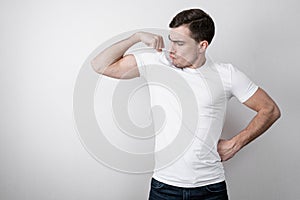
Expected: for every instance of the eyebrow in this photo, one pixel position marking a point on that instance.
(174, 40)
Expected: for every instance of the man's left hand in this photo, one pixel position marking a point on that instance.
(226, 149)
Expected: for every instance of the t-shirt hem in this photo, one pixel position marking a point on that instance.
(189, 185)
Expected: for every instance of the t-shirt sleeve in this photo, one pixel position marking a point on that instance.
(140, 63)
(241, 86)
(144, 60)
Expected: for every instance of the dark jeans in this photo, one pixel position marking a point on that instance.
(162, 191)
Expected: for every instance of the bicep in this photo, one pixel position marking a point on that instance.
(124, 68)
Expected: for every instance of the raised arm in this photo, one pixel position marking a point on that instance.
(112, 62)
(267, 113)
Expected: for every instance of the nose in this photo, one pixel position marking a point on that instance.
(172, 48)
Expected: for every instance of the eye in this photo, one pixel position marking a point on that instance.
(180, 43)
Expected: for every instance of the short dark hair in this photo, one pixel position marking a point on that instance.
(199, 23)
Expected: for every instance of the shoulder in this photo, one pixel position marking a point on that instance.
(229, 70)
(148, 57)
(224, 67)
(224, 70)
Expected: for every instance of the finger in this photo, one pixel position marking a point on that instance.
(157, 43)
(158, 40)
(160, 43)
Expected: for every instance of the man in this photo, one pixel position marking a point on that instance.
(198, 173)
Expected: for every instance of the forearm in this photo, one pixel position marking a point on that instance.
(267, 113)
(258, 125)
(113, 53)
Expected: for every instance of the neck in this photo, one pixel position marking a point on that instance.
(199, 62)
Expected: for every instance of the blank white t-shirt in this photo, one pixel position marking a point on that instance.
(193, 105)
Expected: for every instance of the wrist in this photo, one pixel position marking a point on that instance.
(135, 38)
(237, 143)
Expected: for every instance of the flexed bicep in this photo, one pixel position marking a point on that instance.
(124, 68)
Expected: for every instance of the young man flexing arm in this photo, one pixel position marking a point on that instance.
(191, 32)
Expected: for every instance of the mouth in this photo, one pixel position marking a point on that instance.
(170, 53)
(172, 56)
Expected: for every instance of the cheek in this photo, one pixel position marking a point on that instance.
(182, 52)
(187, 52)
(187, 55)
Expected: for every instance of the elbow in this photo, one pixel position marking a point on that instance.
(94, 66)
(273, 112)
(276, 112)
(97, 66)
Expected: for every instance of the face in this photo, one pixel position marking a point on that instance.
(184, 50)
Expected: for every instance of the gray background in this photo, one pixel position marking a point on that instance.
(44, 44)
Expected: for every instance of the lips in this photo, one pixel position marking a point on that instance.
(172, 56)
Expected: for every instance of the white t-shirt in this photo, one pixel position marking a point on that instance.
(189, 123)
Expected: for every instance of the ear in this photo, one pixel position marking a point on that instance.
(203, 46)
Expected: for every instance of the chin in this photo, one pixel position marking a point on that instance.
(179, 66)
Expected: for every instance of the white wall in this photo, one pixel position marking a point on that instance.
(45, 43)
